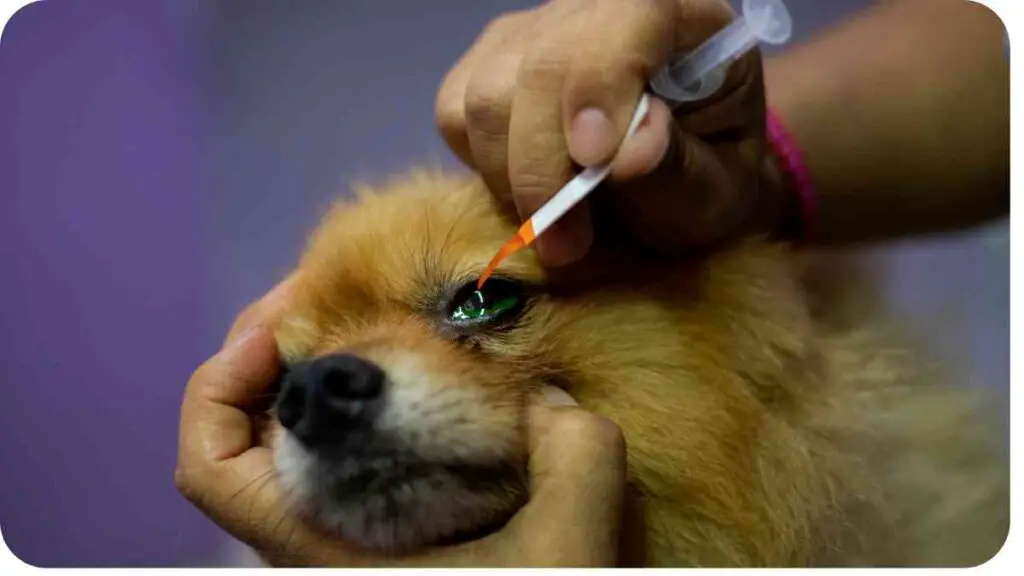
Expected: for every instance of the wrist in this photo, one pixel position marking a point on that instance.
(788, 182)
(777, 213)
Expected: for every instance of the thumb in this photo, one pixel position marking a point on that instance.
(648, 147)
(578, 478)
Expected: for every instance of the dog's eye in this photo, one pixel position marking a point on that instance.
(499, 300)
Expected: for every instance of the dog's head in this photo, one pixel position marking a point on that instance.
(404, 391)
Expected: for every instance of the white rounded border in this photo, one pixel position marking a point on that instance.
(1012, 14)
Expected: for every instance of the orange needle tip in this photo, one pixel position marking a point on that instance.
(514, 244)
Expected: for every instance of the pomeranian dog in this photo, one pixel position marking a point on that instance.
(757, 435)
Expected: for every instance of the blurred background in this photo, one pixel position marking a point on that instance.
(161, 162)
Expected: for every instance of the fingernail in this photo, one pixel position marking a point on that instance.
(592, 137)
(557, 397)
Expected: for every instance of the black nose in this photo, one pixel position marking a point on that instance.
(325, 399)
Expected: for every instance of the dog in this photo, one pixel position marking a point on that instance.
(757, 433)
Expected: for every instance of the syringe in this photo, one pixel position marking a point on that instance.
(693, 77)
(701, 73)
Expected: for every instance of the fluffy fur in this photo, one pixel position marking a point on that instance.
(758, 435)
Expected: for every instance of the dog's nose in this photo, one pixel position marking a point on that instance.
(323, 400)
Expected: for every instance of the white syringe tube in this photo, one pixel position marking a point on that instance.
(702, 72)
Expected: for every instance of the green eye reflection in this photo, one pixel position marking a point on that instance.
(486, 304)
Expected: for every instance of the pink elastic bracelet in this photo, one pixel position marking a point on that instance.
(791, 164)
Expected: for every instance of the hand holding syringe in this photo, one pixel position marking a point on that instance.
(695, 76)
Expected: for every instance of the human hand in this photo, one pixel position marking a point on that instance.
(546, 88)
(577, 467)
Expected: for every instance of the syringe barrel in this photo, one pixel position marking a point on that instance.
(719, 50)
(702, 72)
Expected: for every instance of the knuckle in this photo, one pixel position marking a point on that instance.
(532, 173)
(201, 375)
(504, 23)
(249, 315)
(448, 101)
(594, 429)
(184, 482)
(252, 311)
(516, 20)
(530, 189)
(449, 115)
(488, 103)
(493, 27)
(547, 64)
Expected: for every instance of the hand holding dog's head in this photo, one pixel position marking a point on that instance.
(228, 472)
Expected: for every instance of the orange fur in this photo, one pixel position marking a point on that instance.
(757, 435)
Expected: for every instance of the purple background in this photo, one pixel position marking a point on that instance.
(160, 164)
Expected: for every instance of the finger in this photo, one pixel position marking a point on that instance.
(538, 159)
(578, 476)
(618, 50)
(647, 148)
(268, 310)
(214, 424)
(488, 108)
(224, 474)
(450, 104)
(448, 109)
